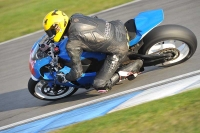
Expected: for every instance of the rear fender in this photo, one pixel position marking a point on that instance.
(145, 22)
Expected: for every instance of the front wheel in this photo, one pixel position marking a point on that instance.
(176, 40)
(41, 90)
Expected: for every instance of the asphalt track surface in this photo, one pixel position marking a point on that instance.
(16, 104)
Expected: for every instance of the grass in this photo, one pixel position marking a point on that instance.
(20, 17)
(175, 114)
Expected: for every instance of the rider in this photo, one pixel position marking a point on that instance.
(90, 34)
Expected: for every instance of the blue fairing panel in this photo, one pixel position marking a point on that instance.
(87, 78)
(63, 53)
(39, 64)
(145, 22)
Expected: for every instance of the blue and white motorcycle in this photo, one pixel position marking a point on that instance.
(164, 45)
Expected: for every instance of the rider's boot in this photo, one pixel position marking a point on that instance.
(129, 71)
(115, 78)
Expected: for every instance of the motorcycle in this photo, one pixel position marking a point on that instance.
(164, 45)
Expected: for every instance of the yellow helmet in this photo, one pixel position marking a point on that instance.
(55, 23)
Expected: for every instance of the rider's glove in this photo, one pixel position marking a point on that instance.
(60, 76)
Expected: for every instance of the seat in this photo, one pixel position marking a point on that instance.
(131, 28)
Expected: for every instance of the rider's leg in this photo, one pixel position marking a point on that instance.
(111, 64)
(107, 77)
(129, 71)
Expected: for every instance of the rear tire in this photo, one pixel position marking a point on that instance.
(39, 92)
(170, 36)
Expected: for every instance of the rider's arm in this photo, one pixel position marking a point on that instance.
(74, 51)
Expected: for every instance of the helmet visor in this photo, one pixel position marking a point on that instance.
(51, 32)
(55, 32)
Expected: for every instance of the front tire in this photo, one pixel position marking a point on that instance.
(41, 90)
(170, 37)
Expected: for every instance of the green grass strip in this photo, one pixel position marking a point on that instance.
(175, 114)
(20, 17)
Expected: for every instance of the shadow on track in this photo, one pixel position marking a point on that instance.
(23, 99)
(20, 99)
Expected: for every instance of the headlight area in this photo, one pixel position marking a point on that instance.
(40, 54)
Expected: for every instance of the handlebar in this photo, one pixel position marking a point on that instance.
(54, 61)
(46, 46)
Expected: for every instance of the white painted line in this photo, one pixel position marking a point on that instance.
(162, 91)
(116, 7)
(101, 99)
(40, 31)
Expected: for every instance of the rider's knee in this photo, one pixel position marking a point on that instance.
(99, 83)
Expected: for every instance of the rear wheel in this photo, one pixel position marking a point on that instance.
(41, 90)
(176, 40)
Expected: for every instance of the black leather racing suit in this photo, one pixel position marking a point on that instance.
(96, 35)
